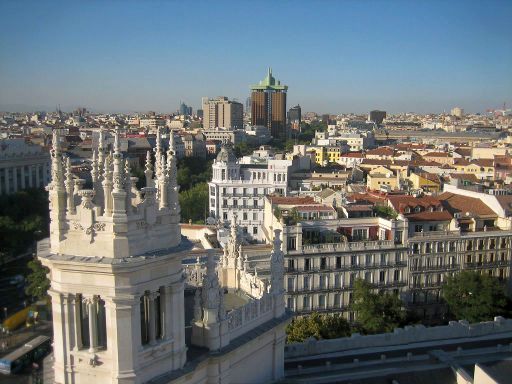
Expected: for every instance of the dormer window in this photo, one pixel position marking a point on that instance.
(407, 210)
(417, 209)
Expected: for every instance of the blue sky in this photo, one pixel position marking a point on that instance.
(335, 56)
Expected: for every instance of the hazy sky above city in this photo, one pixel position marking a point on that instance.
(335, 56)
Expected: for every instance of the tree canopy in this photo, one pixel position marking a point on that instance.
(474, 297)
(24, 218)
(376, 312)
(194, 203)
(319, 326)
(37, 282)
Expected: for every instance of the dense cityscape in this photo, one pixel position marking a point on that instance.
(229, 240)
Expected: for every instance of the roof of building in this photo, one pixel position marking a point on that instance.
(291, 200)
(400, 202)
(454, 203)
(429, 216)
(437, 154)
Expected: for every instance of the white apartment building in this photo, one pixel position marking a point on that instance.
(240, 189)
(357, 141)
(22, 165)
(222, 112)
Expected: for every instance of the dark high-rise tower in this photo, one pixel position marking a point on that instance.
(294, 118)
(268, 105)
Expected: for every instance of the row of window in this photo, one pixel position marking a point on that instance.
(323, 280)
(309, 264)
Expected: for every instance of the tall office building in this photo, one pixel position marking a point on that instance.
(221, 112)
(294, 118)
(377, 116)
(268, 105)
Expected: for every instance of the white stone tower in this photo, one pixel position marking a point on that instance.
(114, 255)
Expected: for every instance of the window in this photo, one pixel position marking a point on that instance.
(418, 228)
(382, 259)
(322, 282)
(224, 203)
(323, 263)
(150, 311)
(254, 230)
(382, 276)
(255, 203)
(337, 281)
(338, 262)
(86, 308)
(396, 275)
(321, 301)
(337, 300)
(291, 265)
(306, 282)
(307, 264)
(292, 243)
(368, 277)
(353, 260)
(225, 216)
(359, 234)
(291, 284)
(254, 216)
(289, 303)
(368, 259)
(305, 302)
(244, 216)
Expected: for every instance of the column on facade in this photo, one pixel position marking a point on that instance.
(22, 173)
(75, 308)
(6, 178)
(59, 336)
(123, 334)
(152, 316)
(178, 323)
(92, 309)
(166, 310)
(15, 178)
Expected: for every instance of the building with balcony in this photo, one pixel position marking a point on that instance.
(22, 165)
(239, 190)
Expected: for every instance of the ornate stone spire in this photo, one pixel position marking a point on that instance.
(70, 184)
(57, 169)
(107, 187)
(232, 246)
(118, 175)
(211, 292)
(149, 170)
(94, 170)
(277, 265)
(101, 152)
(158, 154)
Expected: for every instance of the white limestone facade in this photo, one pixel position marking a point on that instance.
(239, 190)
(117, 285)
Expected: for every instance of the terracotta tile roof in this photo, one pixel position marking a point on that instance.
(464, 176)
(315, 208)
(484, 162)
(461, 162)
(353, 154)
(430, 216)
(465, 152)
(458, 203)
(401, 202)
(382, 151)
(437, 154)
(292, 200)
(376, 162)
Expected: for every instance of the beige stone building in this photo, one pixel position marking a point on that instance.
(222, 113)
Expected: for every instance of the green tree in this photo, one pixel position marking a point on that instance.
(37, 281)
(194, 203)
(385, 212)
(317, 326)
(474, 297)
(376, 312)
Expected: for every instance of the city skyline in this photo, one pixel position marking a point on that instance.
(335, 57)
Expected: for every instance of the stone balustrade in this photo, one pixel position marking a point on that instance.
(406, 335)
